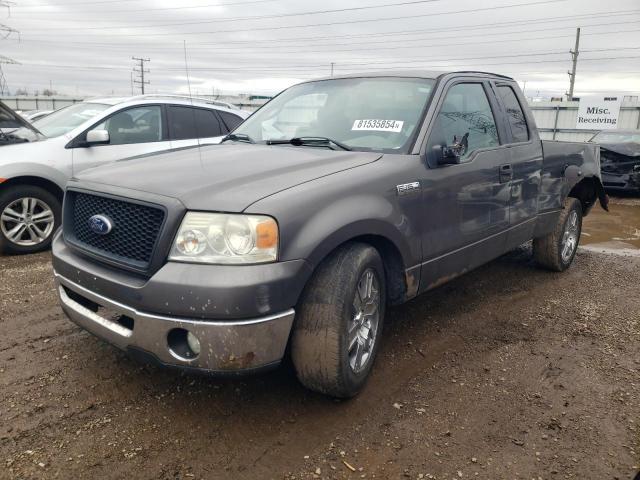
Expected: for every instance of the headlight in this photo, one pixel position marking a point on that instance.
(224, 239)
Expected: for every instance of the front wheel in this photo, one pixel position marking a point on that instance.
(556, 250)
(29, 215)
(339, 322)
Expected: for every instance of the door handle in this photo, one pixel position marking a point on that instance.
(506, 173)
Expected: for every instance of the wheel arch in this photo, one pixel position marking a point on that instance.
(33, 180)
(589, 190)
(400, 284)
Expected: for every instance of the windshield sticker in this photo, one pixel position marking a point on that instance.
(378, 125)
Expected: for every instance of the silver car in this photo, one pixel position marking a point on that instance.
(34, 171)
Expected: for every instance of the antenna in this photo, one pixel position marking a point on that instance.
(193, 112)
(186, 67)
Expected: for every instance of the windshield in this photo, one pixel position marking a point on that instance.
(617, 137)
(66, 119)
(363, 113)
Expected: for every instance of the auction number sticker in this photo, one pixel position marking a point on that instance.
(378, 125)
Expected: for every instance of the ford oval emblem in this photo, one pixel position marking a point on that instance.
(100, 224)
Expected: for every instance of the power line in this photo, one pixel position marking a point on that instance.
(448, 44)
(465, 28)
(346, 22)
(210, 5)
(562, 18)
(257, 17)
(228, 48)
(261, 17)
(448, 65)
(290, 67)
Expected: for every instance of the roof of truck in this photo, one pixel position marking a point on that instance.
(432, 74)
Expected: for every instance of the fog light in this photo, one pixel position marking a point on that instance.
(183, 344)
(194, 343)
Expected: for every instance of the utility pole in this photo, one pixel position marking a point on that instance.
(332, 64)
(141, 71)
(4, 89)
(5, 32)
(7, 4)
(572, 73)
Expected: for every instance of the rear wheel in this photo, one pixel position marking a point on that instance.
(339, 322)
(29, 216)
(557, 250)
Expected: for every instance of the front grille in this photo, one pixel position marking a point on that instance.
(134, 234)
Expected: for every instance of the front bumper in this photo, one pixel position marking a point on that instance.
(624, 182)
(225, 346)
(184, 290)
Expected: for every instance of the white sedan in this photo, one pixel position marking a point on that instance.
(35, 168)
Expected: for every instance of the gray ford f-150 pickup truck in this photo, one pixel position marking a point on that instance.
(339, 197)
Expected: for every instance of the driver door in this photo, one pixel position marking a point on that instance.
(132, 132)
(466, 205)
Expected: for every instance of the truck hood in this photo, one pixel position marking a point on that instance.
(227, 177)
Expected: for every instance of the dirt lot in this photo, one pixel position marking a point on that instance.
(508, 372)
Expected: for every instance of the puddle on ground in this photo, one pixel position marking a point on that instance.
(616, 231)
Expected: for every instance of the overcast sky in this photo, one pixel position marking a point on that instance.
(261, 46)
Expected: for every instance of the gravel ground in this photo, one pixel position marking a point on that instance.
(508, 372)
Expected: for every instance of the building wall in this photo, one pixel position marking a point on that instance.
(557, 120)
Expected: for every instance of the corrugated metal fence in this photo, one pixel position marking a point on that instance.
(38, 103)
(557, 120)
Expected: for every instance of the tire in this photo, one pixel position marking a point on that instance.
(549, 251)
(36, 234)
(330, 306)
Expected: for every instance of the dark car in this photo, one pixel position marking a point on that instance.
(620, 159)
(339, 197)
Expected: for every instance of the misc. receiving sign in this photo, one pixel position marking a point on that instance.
(598, 112)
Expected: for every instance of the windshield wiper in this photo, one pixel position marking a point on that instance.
(238, 137)
(310, 141)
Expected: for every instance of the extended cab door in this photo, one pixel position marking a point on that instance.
(132, 131)
(466, 205)
(525, 157)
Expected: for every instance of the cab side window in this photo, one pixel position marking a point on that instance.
(134, 125)
(465, 117)
(515, 115)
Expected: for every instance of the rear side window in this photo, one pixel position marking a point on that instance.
(515, 115)
(187, 123)
(231, 120)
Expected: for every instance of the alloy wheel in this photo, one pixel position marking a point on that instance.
(363, 326)
(27, 221)
(570, 237)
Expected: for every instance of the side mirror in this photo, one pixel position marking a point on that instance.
(97, 137)
(452, 154)
(448, 155)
